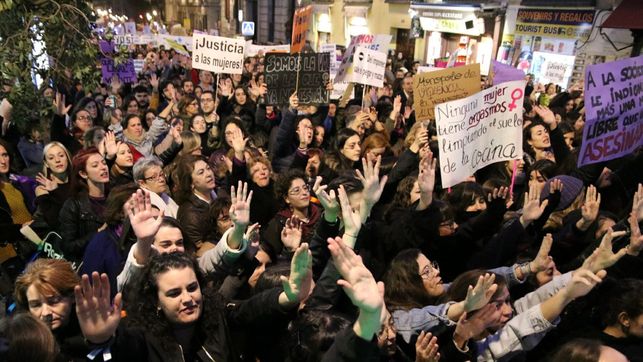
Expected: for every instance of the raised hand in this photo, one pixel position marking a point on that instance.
(59, 105)
(475, 325)
(97, 317)
(373, 185)
(300, 283)
(352, 219)
(49, 184)
(240, 208)
(293, 101)
(328, 200)
(478, 296)
(154, 81)
(225, 88)
(592, 203)
(426, 348)
(583, 281)
(110, 146)
(547, 115)
(357, 280)
(532, 208)
(636, 240)
(291, 233)
(542, 260)
(421, 139)
(426, 180)
(604, 257)
(498, 193)
(141, 217)
(637, 203)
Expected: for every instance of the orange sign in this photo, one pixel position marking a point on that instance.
(301, 23)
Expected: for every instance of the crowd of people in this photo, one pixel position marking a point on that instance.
(181, 218)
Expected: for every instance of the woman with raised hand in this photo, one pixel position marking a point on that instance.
(45, 290)
(160, 235)
(54, 183)
(174, 317)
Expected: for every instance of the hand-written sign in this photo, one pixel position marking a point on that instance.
(553, 68)
(281, 77)
(217, 54)
(374, 42)
(368, 67)
(479, 130)
(442, 86)
(124, 71)
(301, 23)
(613, 110)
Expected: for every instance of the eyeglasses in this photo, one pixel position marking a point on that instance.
(430, 270)
(159, 176)
(207, 100)
(299, 189)
(83, 118)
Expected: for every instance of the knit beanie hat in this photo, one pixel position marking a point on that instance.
(571, 188)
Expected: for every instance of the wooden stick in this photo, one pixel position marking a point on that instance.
(298, 70)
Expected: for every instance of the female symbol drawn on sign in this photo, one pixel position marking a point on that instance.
(516, 94)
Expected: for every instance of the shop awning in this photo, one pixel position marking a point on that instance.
(626, 16)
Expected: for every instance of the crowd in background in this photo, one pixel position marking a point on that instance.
(187, 220)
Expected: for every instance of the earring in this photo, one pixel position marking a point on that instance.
(158, 312)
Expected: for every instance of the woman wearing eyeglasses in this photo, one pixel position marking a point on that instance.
(294, 223)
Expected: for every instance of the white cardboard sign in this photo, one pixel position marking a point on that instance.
(479, 130)
(217, 54)
(368, 67)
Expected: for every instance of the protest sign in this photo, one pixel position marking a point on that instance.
(479, 130)
(123, 39)
(301, 23)
(613, 110)
(124, 71)
(373, 42)
(281, 77)
(130, 27)
(505, 73)
(552, 68)
(442, 86)
(368, 67)
(217, 54)
(254, 49)
(106, 47)
(427, 68)
(138, 65)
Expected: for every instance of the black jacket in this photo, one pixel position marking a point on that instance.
(135, 344)
(78, 224)
(194, 216)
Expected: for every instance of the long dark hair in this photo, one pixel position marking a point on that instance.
(335, 160)
(79, 163)
(142, 299)
(404, 286)
(185, 166)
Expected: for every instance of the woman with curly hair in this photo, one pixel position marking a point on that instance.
(173, 316)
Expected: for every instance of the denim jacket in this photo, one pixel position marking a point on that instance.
(411, 322)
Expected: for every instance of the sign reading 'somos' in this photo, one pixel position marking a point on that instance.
(217, 54)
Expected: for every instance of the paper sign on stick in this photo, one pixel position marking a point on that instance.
(368, 67)
(479, 130)
(217, 54)
(301, 23)
(613, 110)
(374, 42)
(442, 86)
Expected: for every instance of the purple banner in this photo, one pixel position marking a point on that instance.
(124, 71)
(107, 47)
(613, 110)
(505, 73)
